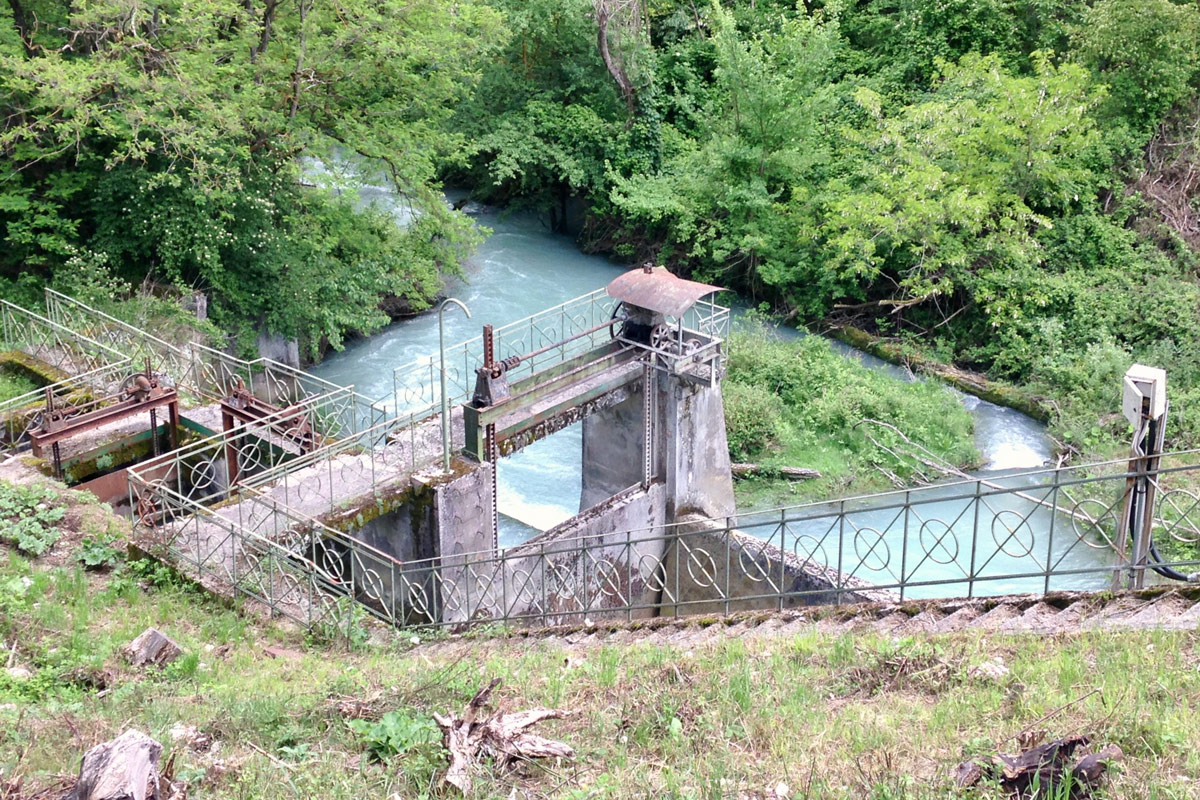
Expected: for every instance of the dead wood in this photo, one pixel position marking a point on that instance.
(790, 473)
(152, 647)
(499, 736)
(124, 769)
(1041, 771)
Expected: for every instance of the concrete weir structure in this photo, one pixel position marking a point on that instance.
(655, 476)
(311, 498)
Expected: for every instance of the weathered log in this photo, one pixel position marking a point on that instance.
(790, 473)
(124, 769)
(1037, 772)
(152, 647)
(1091, 768)
(502, 737)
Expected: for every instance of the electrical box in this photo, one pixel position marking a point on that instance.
(1144, 393)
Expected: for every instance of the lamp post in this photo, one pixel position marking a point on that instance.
(445, 399)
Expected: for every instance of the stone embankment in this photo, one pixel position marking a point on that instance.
(1163, 608)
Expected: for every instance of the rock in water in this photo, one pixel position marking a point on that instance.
(124, 769)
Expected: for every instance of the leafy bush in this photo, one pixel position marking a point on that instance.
(99, 551)
(29, 517)
(752, 415)
(397, 733)
(812, 398)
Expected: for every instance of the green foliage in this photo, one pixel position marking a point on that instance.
(30, 517)
(965, 179)
(99, 552)
(162, 141)
(1147, 51)
(816, 404)
(14, 385)
(752, 419)
(397, 733)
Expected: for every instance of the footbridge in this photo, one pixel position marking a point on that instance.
(267, 482)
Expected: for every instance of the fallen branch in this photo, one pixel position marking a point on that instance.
(790, 473)
(501, 737)
(1043, 771)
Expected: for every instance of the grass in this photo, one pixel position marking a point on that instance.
(847, 716)
(14, 385)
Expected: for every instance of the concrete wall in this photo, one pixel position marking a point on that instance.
(417, 544)
(707, 570)
(694, 450)
(278, 348)
(586, 567)
(613, 440)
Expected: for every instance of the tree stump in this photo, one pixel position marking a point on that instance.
(124, 769)
(502, 737)
(152, 647)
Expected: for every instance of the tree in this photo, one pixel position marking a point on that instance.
(731, 203)
(965, 180)
(167, 137)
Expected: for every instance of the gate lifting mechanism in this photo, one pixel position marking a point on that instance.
(139, 393)
(242, 408)
(543, 400)
(647, 297)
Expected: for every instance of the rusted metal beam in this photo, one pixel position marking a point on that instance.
(291, 423)
(530, 391)
(140, 394)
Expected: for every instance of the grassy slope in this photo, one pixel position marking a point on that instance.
(831, 716)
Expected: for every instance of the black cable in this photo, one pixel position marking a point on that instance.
(1157, 565)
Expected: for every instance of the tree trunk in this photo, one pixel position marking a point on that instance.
(124, 769)
(21, 23)
(603, 16)
(790, 473)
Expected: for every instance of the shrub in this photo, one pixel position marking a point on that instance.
(29, 517)
(99, 551)
(396, 733)
(752, 415)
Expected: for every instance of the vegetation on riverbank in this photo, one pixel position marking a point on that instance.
(1007, 186)
(858, 716)
(799, 403)
(1002, 185)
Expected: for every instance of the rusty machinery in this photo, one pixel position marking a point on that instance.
(291, 423)
(139, 393)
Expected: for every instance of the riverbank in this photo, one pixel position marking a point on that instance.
(256, 709)
(1002, 394)
(799, 403)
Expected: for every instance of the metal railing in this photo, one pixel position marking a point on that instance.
(206, 469)
(1038, 532)
(22, 414)
(63, 350)
(415, 385)
(203, 374)
(540, 341)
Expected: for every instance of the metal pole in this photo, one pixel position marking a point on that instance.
(442, 355)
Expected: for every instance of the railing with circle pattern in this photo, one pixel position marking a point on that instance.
(1039, 531)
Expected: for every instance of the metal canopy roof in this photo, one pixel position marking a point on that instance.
(658, 290)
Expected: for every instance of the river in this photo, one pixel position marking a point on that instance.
(523, 268)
